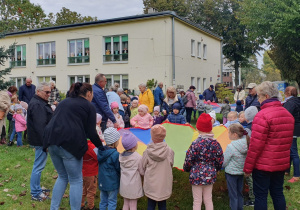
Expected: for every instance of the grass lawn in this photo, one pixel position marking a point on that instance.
(15, 170)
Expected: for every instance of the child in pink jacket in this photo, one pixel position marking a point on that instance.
(20, 124)
(143, 119)
(115, 109)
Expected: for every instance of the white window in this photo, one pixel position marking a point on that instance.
(204, 51)
(193, 81)
(199, 50)
(115, 49)
(117, 78)
(46, 53)
(19, 56)
(198, 85)
(46, 79)
(79, 78)
(78, 51)
(192, 47)
(18, 81)
(204, 83)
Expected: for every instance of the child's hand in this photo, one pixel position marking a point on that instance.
(187, 123)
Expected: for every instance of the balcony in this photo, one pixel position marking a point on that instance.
(18, 63)
(79, 59)
(45, 62)
(115, 58)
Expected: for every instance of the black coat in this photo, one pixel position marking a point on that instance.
(39, 114)
(293, 106)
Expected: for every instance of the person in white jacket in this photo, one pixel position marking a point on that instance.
(239, 94)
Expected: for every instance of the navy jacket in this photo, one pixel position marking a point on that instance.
(293, 106)
(169, 109)
(176, 118)
(209, 95)
(109, 169)
(251, 101)
(26, 93)
(158, 96)
(101, 104)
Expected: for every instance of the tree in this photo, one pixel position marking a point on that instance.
(4, 55)
(178, 6)
(251, 73)
(269, 68)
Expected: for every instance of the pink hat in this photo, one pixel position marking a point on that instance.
(114, 105)
(208, 102)
(98, 117)
(158, 133)
(143, 108)
(156, 108)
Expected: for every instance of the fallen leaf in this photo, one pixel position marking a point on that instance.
(14, 197)
(0, 175)
(33, 205)
(287, 187)
(7, 169)
(176, 207)
(17, 166)
(23, 193)
(2, 202)
(65, 196)
(10, 178)
(23, 185)
(21, 203)
(175, 181)
(9, 195)
(6, 180)
(55, 176)
(1, 185)
(5, 190)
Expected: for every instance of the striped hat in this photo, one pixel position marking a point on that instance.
(111, 135)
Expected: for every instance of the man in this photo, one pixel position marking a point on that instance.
(252, 99)
(27, 91)
(39, 114)
(54, 98)
(101, 103)
(209, 94)
(146, 97)
(158, 95)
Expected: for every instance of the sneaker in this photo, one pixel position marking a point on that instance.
(10, 143)
(292, 180)
(44, 190)
(40, 197)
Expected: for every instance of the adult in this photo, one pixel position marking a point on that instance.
(65, 135)
(159, 95)
(170, 100)
(252, 99)
(292, 104)
(269, 151)
(27, 91)
(101, 103)
(112, 96)
(146, 97)
(12, 90)
(191, 103)
(4, 108)
(54, 97)
(210, 94)
(39, 114)
(239, 94)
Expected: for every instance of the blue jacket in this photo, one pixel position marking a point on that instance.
(109, 169)
(209, 95)
(158, 96)
(176, 118)
(26, 93)
(231, 122)
(114, 97)
(251, 101)
(169, 109)
(101, 104)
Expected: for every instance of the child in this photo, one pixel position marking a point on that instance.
(126, 108)
(109, 170)
(128, 100)
(232, 118)
(134, 108)
(115, 109)
(157, 117)
(175, 116)
(239, 106)
(242, 119)
(203, 160)
(89, 173)
(225, 109)
(156, 167)
(20, 124)
(131, 182)
(143, 119)
(214, 120)
(208, 107)
(234, 159)
(200, 105)
(11, 127)
(98, 127)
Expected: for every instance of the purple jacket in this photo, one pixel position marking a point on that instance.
(159, 119)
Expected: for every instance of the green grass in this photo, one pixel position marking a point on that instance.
(16, 165)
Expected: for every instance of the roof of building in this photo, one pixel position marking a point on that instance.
(116, 20)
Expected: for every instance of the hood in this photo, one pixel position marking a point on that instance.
(104, 154)
(127, 160)
(158, 152)
(238, 102)
(240, 145)
(296, 100)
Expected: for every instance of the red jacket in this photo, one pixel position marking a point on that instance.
(271, 139)
(90, 162)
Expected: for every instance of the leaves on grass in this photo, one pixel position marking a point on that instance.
(55, 176)
(7, 169)
(287, 187)
(176, 207)
(33, 205)
(1, 185)
(0, 175)
(2, 203)
(28, 159)
(7, 190)
(65, 196)
(23, 185)
(23, 193)
(9, 195)
(17, 166)
(21, 203)
(14, 197)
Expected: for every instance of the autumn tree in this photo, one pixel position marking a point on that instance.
(5, 54)
(269, 68)
(251, 73)
(178, 6)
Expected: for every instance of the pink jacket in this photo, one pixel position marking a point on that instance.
(20, 122)
(119, 120)
(191, 100)
(143, 122)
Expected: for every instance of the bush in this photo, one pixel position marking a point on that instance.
(62, 95)
(223, 93)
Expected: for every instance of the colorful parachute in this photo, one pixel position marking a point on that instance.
(217, 107)
(179, 138)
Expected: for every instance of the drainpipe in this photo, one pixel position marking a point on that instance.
(173, 52)
(222, 62)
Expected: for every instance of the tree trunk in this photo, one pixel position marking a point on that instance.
(237, 73)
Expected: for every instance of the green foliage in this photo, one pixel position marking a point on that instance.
(223, 93)
(269, 68)
(179, 6)
(151, 83)
(251, 73)
(5, 54)
(219, 118)
(62, 95)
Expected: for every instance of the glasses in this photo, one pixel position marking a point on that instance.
(47, 92)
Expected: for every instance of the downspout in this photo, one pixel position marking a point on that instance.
(173, 52)
(222, 61)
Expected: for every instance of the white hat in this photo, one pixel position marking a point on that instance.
(213, 114)
(98, 117)
(250, 113)
(251, 85)
(111, 135)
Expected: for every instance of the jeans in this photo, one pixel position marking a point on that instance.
(13, 131)
(235, 191)
(189, 111)
(38, 166)
(295, 158)
(162, 205)
(108, 199)
(264, 181)
(69, 169)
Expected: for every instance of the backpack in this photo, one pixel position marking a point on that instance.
(184, 99)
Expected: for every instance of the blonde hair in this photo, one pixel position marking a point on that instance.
(233, 113)
(239, 130)
(171, 89)
(123, 97)
(242, 112)
(267, 88)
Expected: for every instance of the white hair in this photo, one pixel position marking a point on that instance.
(142, 85)
(52, 81)
(41, 86)
(120, 90)
(267, 88)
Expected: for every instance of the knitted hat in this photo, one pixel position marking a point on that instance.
(114, 105)
(18, 106)
(208, 102)
(158, 133)
(134, 98)
(143, 108)
(111, 135)
(128, 140)
(250, 113)
(176, 106)
(201, 97)
(204, 123)
(238, 102)
(156, 108)
(212, 114)
(98, 117)
(24, 105)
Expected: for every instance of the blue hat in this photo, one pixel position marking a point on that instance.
(176, 106)
(238, 102)
(201, 97)
(134, 98)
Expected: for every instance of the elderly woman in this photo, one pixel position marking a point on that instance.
(269, 150)
(54, 97)
(191, 104)
(4, 108)
(239, 94)
(146, 97)
(292, 104)
(170, 100)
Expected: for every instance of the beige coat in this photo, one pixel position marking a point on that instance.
(239, 95)
(156, 166)
(131, 181)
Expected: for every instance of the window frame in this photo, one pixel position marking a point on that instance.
(193, 47)
(199, 50)
(15, 79)
(83, 57)
(76, 78)
(14, 59)
(115, 55)
(44, 78)
(111, 76)
(41, 61)
(204, 51)
(199, 85)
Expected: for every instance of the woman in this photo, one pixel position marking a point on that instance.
(239, 94)
(191, 103)
(146, 97)
(66, 136)
(170, 100)
(269, 151)
(54, 97)
(4, 108)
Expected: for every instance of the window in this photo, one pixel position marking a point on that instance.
(19, 56)
(18, 81)
(78, 51)
(79, 78)
(199, 85)
(205, 51)
(225, 74)
(199, 50)
(46, 53)
(46, 79)
(192, 47)
(115, 48)
(193, 81)
(121, 79)
(204, 83)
